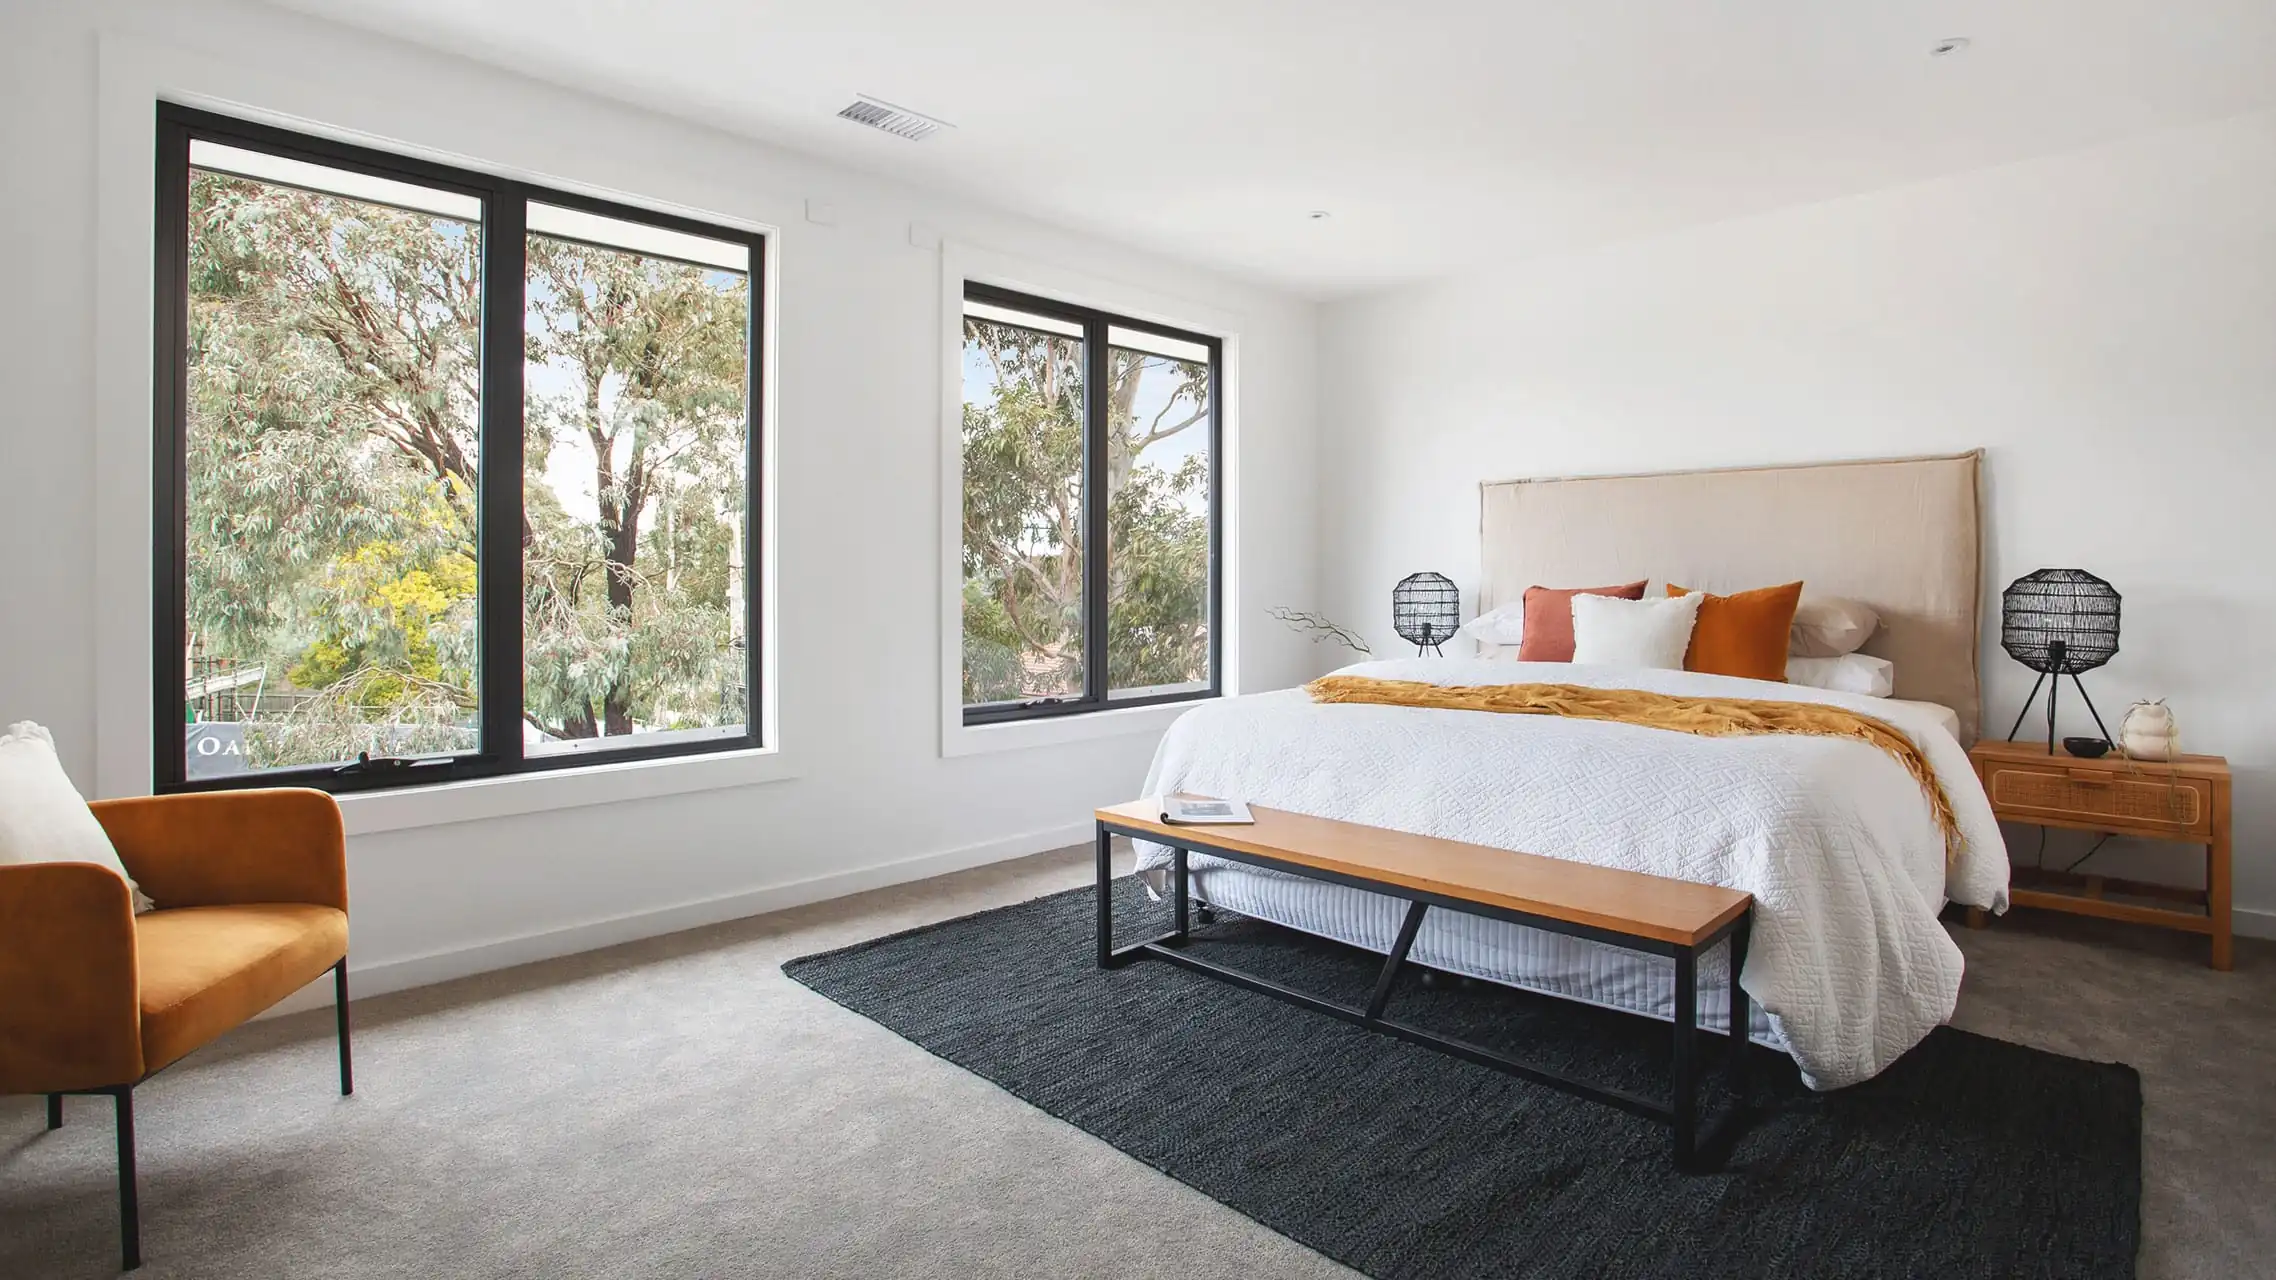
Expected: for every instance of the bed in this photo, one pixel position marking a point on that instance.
(1850, 965)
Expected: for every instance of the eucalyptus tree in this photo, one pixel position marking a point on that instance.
(334, 474)
(1023, 517)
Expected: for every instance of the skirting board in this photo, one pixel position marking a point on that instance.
(2250, 922)
(443, 966)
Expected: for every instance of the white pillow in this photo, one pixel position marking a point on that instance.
(43, 818)
(1830, 626)
(1849, 673)
(1505, 625)
(1609, 631)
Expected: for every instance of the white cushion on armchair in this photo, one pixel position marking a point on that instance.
(43, 818)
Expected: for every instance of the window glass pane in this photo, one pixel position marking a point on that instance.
(639, 237)
(216, 157)
(1158, 466)
(1023, 319)
(334, 374)
(1023, 507)
(635, 478)
(1158, 344)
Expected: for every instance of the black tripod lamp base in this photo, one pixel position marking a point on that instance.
(2054, 683)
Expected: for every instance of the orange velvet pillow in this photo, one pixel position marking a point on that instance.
(1548, 633)
(1744, 634)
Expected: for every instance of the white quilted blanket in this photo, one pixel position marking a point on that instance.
(1832, 837)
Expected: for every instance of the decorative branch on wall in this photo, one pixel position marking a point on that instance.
(1317, 626)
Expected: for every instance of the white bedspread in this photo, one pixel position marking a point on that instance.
(1832, 837)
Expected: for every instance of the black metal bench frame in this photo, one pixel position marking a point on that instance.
(1680, 1112)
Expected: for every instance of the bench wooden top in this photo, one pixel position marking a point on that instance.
(1628, 902)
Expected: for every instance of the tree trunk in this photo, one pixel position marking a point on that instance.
(623, 544)
(1122, 403)
(620, 530)
(579, 724)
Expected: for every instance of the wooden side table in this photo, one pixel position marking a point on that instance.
(2185, 801)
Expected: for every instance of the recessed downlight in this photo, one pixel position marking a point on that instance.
(1948, 46)
(1318, 215)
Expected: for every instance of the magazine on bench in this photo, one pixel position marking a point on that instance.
(1200, 811)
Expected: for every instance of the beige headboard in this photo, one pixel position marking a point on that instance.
(1900, 535)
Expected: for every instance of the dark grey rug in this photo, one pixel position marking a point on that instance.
(1969, 1157)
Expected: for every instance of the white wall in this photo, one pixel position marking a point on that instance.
(859, 414)
(2103, 323)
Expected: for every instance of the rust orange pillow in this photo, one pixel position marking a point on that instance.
(1548, 635)
(1744, 634)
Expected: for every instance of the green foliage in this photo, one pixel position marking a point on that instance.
(652, 359)
(333, 451)
(1023, 495)
(399, 613)
(1158, 576)
(991, 647)
(1023, 559)
(286, 393)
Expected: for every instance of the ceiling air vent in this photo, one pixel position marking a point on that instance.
(898, 121)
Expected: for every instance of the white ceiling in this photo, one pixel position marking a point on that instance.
(1439, 133)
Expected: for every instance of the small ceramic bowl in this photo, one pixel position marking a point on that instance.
(2087, 748)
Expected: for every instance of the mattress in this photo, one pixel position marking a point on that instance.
(1497, 950)
(1945, 717)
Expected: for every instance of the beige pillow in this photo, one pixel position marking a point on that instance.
(1829, 626)
(43, 818)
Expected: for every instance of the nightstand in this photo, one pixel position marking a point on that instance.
(2185, 801)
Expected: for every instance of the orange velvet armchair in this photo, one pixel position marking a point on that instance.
(252, 894)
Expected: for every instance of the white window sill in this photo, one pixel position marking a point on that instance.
(960, 739)
(365, 812)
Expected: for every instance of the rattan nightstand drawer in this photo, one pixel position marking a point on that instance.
(2185, 800)
(2175, 806)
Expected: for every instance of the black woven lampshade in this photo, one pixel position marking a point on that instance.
(1425, 609)
(2059, 621)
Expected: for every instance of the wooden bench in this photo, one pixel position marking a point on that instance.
(1674, 918)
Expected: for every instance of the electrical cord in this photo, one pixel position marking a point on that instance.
(2133, 767)
(2081, 858)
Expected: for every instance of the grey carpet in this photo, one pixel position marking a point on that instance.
(1970, 1157)
(673, 1108)
(678, 1107)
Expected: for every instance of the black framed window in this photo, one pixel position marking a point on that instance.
(1092, 523)
(456, 476)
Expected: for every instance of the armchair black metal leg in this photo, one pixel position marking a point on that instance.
(55, 1111)
(340, 1010)
(130, 1208)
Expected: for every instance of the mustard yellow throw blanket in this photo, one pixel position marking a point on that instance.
(1706, 717)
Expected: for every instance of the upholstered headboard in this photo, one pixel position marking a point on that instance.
(1900, 535)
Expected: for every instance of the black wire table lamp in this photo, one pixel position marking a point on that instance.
(2058, 622)
(1425, 609)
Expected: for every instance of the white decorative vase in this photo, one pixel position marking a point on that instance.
(2149, 733)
